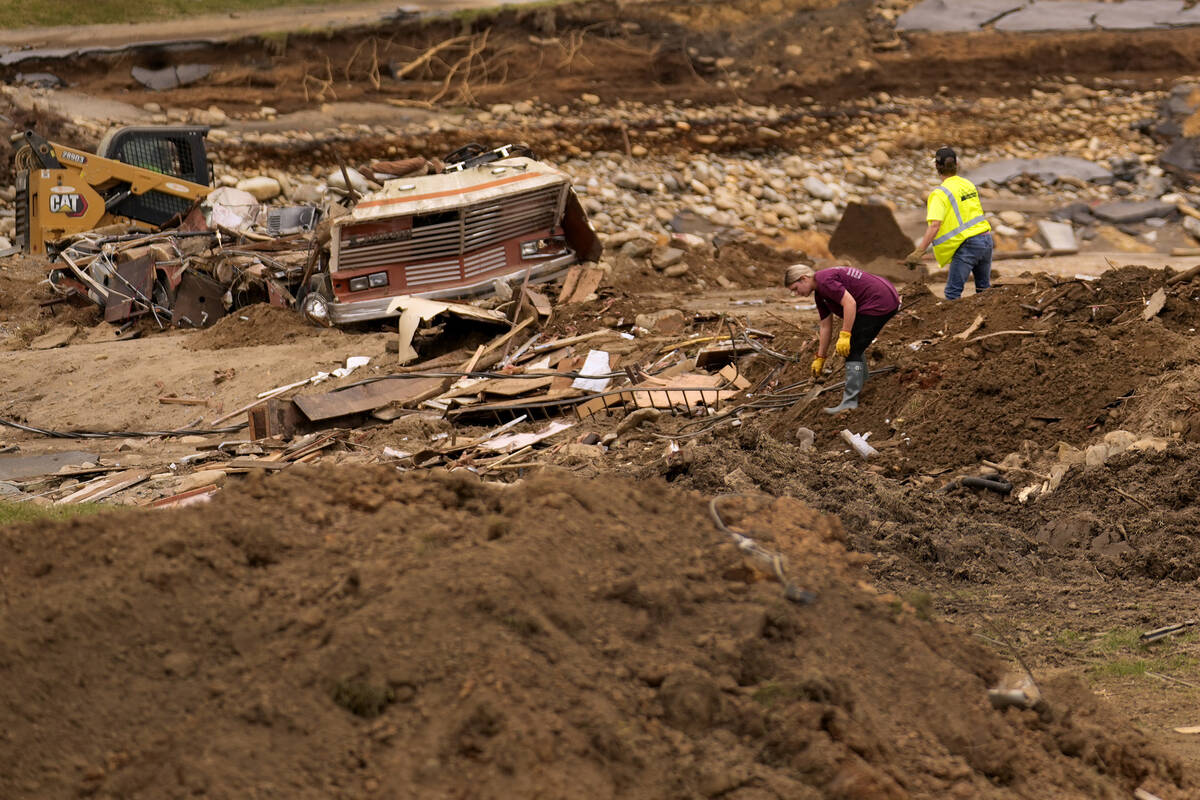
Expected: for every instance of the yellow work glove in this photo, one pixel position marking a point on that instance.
(818, 366)
(913, 259)
(842, 348)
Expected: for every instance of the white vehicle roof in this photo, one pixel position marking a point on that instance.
(431, 193)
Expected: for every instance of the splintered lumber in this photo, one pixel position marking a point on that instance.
(97, 490)
(579, 283)
(514, 387)
(369, 396)
(415, 310)
(539, 301)
(583, 337)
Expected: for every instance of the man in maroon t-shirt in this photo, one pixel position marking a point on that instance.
(865, 302)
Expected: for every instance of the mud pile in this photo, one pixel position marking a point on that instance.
(255, 325)
(430, 635)
(1047, 363)
(1086, 365)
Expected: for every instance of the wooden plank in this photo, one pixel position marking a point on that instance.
(687, 389)
(568, 364)
(583, 337)
(720, 353)
(588, 282)
(539, 301)
(257, 463)
(569, 283)
(500, 341)
(98, 490)
(1186, 275)
(514, 387)
(171, 400)
(201, 494)
(598, 404)
(369, 396)
(734, 378)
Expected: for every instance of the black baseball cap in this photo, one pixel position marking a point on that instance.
(945, 156)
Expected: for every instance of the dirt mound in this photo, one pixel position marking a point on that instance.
(438, 636)
(253, 325)
(868, 232)
(1046, 363)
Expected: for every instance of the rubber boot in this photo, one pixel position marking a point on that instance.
(856, 376)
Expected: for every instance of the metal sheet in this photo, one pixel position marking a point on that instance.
(130, 290)
(198, 301)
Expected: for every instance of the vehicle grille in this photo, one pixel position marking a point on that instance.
(451, 246)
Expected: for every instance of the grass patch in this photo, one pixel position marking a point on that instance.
(1119, 640)
(14, 513)
(1120, 653)
(26, 13)
(1068, 636)
(1120, 668)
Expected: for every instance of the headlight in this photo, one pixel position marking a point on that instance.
(544, 248)
(359, 283)
(377, 279)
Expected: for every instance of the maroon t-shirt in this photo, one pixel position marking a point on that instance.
(874, 295)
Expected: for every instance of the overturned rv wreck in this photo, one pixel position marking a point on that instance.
(497, 215)
(480, 218)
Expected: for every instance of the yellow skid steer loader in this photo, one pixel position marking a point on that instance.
(148, 176)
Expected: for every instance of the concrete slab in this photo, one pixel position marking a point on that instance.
(1053, 15)
(954, 15)
(77, 105)
(16, 467)
(1123, 212)
(1045, 169)
(161, 80)
(1059, 236)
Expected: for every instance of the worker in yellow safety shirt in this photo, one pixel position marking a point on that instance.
(960, 234)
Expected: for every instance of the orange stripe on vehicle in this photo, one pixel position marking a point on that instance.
(391, 200)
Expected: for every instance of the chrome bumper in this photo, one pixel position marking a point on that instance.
(347, 313)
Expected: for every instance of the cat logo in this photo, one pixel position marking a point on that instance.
(69, 203)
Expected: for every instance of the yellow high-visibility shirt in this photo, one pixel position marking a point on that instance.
(956, 205)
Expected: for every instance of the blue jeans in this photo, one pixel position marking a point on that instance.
(973, 257)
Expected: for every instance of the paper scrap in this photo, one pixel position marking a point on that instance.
(594, 365)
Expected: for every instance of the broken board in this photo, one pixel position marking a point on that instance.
(368, 397)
